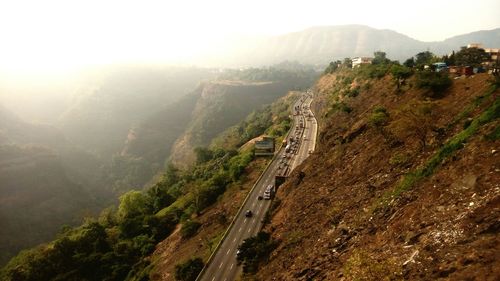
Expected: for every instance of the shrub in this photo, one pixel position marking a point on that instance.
(362, 266)
(353, 92)
(189, 228)
(255, 250)
(379, 117)
(399, 159)
(341, 106)
(189, 270)
(436, 82)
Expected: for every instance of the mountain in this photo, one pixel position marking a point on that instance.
(317, 45)
(111, 102)
(43, 184)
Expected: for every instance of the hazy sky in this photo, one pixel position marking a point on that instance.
(47, 35)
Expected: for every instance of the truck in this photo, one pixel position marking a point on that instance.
(269, 192)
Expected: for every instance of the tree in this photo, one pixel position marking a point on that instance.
(203, 155)
(347, 62)
(189, 270)
(332, 67)
(189, 228)
(423, 58)
(409, 62)
(255, 250)
(380, 58)
(400, 73)
(436, 82)
(414, 120)
(449, 60)
(471, 57)
(132, 204)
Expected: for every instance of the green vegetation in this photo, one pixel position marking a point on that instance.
(363, 267)
(189, 270)
(297, 77)
(479, 100)
(379, 57)
(436, 82)
(272, 120)
(400, 74)
(379, 117)
(189, 228)
(341, 106)
(113, 247)
(255, 250)
(471, 57)
(399, 159)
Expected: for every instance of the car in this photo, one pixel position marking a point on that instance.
(260, 197)
(248, 213)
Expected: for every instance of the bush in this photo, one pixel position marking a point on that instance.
(189, 228)
(362, 266)
(255, 250)
(189, 270)
(353, 92)
(379, 117)
(341, 106)
(436, 82)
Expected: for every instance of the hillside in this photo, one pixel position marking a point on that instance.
(227, 101)
(111, 101)
(37, 198)
(176, 249)
(317, 45)
(403, 185)
(44, 184)
(181, 207)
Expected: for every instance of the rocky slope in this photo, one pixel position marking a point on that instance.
(374, 203)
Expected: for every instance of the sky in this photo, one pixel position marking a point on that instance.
(44, 36)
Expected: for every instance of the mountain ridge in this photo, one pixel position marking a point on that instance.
(320, 44)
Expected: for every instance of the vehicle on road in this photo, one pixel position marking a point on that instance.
(269, 192)
(248, 213)
(260, 197)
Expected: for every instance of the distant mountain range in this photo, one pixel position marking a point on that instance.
(322, 44)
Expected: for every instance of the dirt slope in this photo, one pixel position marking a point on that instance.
(340, 222)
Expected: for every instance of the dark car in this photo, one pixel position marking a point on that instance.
(248, 213)
(259, 197)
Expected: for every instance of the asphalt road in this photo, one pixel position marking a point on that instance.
(222, 266)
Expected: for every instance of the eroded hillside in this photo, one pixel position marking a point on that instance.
(402, 186)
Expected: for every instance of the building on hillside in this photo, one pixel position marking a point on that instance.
(475, 45)
(493, 52)
(264, 147)
(357, 61)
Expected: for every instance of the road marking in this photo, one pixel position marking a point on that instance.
(234, 240)
(221, 264)
(228, 252)
(249, 230)
(213, 278)
(231, 266)
(239, 230)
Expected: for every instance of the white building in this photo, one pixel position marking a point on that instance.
(357, 61)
